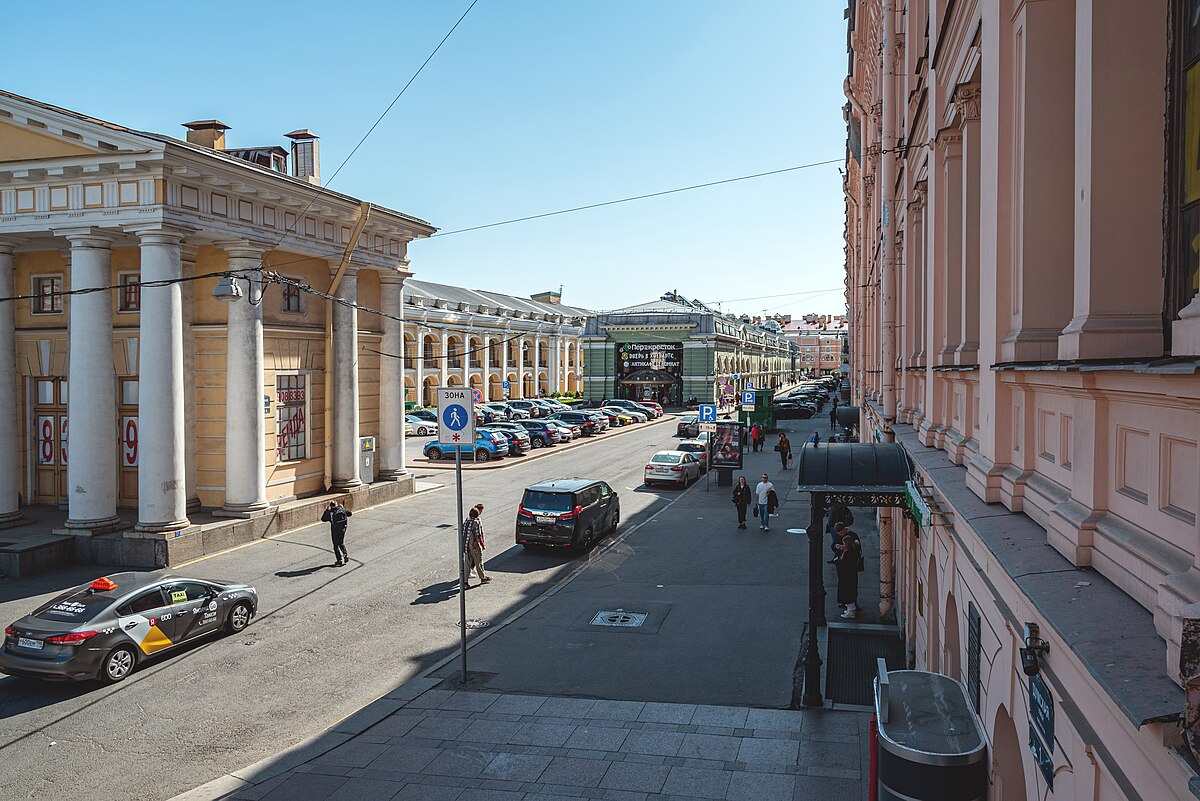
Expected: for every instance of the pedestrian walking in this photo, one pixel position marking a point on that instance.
(762, 436)
(849, 563)
(338, 518)
(473, 539)
(741, 499)
(833, 416)
(772, 504)
(785, 450)
(840, 517)
(815, 439)
(762, 493)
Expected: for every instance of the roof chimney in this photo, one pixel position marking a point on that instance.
(306, 155)
(207, 133)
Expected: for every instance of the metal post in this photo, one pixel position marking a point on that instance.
(816, 603)
(462, 564)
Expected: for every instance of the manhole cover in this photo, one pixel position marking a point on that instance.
(473, 623)
(620, 618)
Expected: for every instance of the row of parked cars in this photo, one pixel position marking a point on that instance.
(520, 432)
(805, 401)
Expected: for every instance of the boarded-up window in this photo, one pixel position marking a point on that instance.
(291, 423)
(974, 653)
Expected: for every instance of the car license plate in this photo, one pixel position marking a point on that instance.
(545, 520)
(25, 642)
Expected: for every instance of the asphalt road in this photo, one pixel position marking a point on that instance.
(327, 640)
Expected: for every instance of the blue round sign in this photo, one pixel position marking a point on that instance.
(455, 417)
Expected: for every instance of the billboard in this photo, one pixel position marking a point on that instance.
(727, 444)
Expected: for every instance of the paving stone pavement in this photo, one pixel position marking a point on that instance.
(430, 744)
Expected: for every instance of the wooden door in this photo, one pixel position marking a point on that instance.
(127, 443)
(49, 457)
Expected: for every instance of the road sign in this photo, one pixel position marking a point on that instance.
(505, 385)
(711, 428)
(747, 398)
(476, 396)
(749, 384)
(456, 417)
(735, 376)
(747, 407)
(708, 413)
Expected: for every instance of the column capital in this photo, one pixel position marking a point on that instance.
(7, 247)
(389, 277)
(966, 101)
(157, 234)
(349, 272)
(85, 238)
(241, 248)
(949, 142)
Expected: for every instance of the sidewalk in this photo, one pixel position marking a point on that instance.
(691, 701)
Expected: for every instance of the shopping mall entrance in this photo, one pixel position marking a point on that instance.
(652, 385)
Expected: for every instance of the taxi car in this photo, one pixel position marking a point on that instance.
(102, 630)
(697, 448)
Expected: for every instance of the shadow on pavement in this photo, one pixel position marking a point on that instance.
(308, 571)
(436, 593)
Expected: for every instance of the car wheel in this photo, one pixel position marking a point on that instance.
(239, 618)
(616, 520)
(537, 442)
(422, 432)
(483, 456)
(434, 453)
(587, 539)
(118, 664)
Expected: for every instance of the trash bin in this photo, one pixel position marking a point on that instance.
(930, 745)
(366, 460)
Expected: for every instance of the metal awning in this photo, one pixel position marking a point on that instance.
(650, 377)
(858, 474)
(847, 416)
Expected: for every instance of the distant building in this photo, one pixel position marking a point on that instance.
(820, 340)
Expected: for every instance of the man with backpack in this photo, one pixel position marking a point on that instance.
(473, 539)
(338, 518)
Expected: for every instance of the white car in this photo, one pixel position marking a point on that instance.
(672, 467)
(639, 417)
(422, 428)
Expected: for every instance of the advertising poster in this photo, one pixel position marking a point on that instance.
(727, 445)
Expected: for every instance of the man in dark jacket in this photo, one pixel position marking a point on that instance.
(338, 516)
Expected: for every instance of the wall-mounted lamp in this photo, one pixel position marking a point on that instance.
(1035, 649)
(227, 290)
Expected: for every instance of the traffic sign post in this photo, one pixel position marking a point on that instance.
(708, 413)
(506, 386)
(747, 398)
(749, 384)
(456, 427)
(476, 396)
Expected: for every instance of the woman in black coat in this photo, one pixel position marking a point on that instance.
(741, 499)
(849, 550)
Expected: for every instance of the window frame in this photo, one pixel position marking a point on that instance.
(286, 290)
(306, 406)
(1176, 295)
(55, 300)
(126, 609)
(123, 288)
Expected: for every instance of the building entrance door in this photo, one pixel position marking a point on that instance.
(127, 445)
(50, 440)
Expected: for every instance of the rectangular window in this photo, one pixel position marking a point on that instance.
(291, 418)
(974, 653)
(46, 299)
(1183, 277)
(291, 299)
(129, 296)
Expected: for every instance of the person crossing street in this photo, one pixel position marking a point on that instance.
(473, 539)
(338, 518)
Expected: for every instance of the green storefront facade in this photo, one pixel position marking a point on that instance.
(676, 350)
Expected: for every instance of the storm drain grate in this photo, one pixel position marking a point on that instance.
(620, 619)
(851, 667)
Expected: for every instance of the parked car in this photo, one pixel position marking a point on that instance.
(688, 426)
(409, 431)
(518, 437)
(559, 405)
(484, 415)
(550, 406)
(513, 412)
(671, 467)
(568, 430)
(533, 409)
(602, 423)
(542, 434)
(633, 415)
(636, 406)
(588, 425)
(614, 418)
(572, 512)
(655, 406)
(421, 426)
(488, 445)
(429, 415)
(696, 448)
(624, 416)
(102, 630)
(499, 410)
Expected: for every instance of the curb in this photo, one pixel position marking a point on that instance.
(514, 461)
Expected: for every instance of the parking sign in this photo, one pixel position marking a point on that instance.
(747, 398)
(708, 413)
(456, 417)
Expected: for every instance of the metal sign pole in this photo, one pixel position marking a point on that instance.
(462, 564)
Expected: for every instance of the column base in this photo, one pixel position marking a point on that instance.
(10, 519)
(1130, 336)
(99, 526)
(243, 511)
(345, 484)
(391, 475)
(162, 528)
(193, 505)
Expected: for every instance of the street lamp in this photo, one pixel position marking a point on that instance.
(227, 289)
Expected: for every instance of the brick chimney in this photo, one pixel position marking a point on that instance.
(207, 133)
(306, 155)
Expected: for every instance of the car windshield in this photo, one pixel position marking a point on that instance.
(547, 501)
(690, 447)
(666, 458)
(75, 608)
(691, 418)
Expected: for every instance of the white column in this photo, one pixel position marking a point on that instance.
(443, 356)
(92, 391)
(187, 255)
(162, 484)
(391, 379)
(245, 426)
(9, 453)
(422, 355)
(344, 368)
(504, 362)
(537, 364)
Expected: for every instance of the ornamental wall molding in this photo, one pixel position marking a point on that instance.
(948, 138)
(966, 101)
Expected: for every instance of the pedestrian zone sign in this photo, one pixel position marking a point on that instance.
(456, 416)
(708, 413)
(747, 398)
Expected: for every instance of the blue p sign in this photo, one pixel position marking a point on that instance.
(748, 398)
(708, 413)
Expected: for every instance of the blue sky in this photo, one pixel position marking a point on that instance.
(531, 106)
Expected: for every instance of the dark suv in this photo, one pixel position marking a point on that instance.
(589, 424)
(571, 512)
(540, 434)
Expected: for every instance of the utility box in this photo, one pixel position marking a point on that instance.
(763, 412)
(930, 745)
(366, 460)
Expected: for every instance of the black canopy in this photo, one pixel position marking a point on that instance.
(855, 473)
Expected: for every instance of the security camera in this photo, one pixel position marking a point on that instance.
(1029, 662)
(1034, 645)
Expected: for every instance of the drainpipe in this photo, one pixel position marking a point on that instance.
(364, 211)
(887, 294)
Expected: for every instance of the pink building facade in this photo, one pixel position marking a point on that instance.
(1022, 242)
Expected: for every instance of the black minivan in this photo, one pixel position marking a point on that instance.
(571, 512)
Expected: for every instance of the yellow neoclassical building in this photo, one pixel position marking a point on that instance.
(164, 353)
